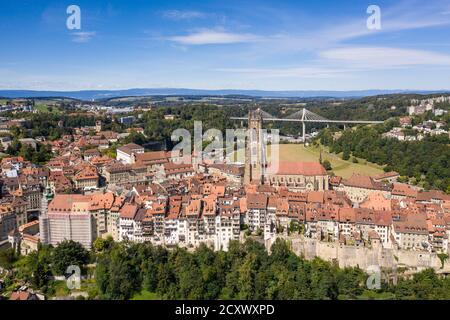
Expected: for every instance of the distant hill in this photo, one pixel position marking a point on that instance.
(105, 94)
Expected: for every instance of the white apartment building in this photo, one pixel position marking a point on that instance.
(256, 205)
(227, 223)
(128, 227)
(411, 233)
(125, 154)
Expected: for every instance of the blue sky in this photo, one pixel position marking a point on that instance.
(269, 45)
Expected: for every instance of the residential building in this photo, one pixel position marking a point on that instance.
(68, 218)
(127, 152)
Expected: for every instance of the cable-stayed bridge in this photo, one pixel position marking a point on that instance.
(305, 116)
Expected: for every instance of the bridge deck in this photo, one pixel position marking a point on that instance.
(315, 121)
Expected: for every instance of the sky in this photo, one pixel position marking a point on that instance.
(266, 45)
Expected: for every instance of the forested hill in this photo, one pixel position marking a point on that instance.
(102, 94)
(425, 163)
(377, 108)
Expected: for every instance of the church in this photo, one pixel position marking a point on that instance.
(296, 176)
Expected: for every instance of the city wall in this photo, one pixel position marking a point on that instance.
(364, 257)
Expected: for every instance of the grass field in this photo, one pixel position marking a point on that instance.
(146, 295)
(46, 109)
(298, 152)
(345, 169)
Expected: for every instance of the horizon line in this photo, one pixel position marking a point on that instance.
(221, 89)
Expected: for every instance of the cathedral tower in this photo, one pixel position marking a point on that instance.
(255, 152)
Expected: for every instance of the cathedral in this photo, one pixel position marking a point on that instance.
(296, 176)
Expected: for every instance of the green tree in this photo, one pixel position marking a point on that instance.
(101, 244)
(36, 267)
(327, 165)
(346, 154)
(7, 258)
(69, 253)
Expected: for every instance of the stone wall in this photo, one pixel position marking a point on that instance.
(363, 257)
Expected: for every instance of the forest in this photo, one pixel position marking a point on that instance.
(39, 155)
(246, 271)
(426, 162)
(48, 124)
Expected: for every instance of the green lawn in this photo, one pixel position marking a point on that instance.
(298, 152)
(46, 109)
(146, 295)
(60, 289)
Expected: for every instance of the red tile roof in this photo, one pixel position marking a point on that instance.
(257, 201)
(152, 157)
(128, 211)
(401, 189)
(364, 182)
(67, 202)
(297, 168)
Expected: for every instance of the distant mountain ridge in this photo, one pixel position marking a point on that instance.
(106, 94)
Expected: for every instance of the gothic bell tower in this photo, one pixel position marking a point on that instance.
(255, 153)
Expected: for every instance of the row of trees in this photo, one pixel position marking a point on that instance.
(246, 271)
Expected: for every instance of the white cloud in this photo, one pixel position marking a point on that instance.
(402, 17)
(213, 37)
(183, 15)
(380, 57)
(82, 37)
(347, 63)
(410, 14)
(293, 72)
(333, 32)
